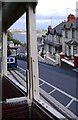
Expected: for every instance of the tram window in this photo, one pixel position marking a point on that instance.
(8, 52)
(16, 66)
(59, 81)
(13, 52)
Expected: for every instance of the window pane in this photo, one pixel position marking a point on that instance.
(73, 33)
(66, 33)
(17, 47)
(57, 74)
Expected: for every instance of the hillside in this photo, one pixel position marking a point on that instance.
(18, 31)
(10, 38)
(41, 32)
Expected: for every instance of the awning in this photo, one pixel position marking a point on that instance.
(72, 42)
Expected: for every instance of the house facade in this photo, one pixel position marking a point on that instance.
(70, 38)
(40, 43)
(53, 40)
(63, 38)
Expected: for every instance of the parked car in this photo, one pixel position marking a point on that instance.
(22, 56)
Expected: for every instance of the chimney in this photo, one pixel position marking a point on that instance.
(77, 9)
(49, 29)
(71, 17)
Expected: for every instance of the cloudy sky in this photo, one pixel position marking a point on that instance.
(49, 12)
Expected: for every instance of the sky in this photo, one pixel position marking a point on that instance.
(49, 12)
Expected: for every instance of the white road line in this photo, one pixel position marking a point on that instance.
(69, 103)
(52, 91)
(73, 98)
(59, 90)
(21, 68)
(41, 84)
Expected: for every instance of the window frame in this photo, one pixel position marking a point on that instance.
(74, 48)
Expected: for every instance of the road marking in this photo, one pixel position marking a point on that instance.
(59, 90)
(41, 84)
(69, 103)
(52, 91)
(21, 68)
(73, 98)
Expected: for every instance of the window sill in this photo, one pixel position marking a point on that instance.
(52, 107)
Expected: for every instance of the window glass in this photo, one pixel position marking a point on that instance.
(73, 33)
(17, 52)
(66, 33)
(57, 74)
(75, 50)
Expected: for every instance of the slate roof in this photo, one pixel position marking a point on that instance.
(61, 26)
(57, 30)
(76, 19)
(74, 23)
(52, 44)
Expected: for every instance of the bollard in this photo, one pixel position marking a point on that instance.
(76, 61)
(57, 59)
(61, 57)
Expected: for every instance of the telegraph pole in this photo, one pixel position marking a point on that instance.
(67, 12)
(51, 20)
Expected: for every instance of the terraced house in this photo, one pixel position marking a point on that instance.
(63, 38)
(70, 37)
(53, 39)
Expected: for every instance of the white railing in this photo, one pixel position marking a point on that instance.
(50, 61)
(68, 62)
(47, 60)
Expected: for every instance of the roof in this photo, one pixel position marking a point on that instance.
(72, 42)
(52, 44)
(76, 19)
(10, 42)
(60, 26)
(58, 29)
(43, 35)
(74, 23)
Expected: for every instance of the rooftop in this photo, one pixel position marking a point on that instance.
(66, 24)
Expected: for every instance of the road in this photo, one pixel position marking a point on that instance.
(59, 83)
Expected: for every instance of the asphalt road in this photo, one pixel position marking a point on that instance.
(59, 83)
